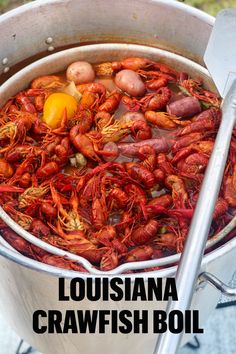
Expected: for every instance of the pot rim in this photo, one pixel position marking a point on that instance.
(61, 272)
(28, 73)
(58, 62)
(171, 3)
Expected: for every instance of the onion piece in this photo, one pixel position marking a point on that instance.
(71, 89)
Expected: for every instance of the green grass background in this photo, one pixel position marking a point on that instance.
(210, 6)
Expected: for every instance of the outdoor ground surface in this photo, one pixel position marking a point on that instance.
(210, 6)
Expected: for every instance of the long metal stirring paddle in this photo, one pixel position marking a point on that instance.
(220, 58)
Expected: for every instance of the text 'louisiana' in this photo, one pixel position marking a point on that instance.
(117, 289)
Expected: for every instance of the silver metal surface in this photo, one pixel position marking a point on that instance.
(28, 285)
(166, 24)
(4, 61)
(218, 284)
(220, 56)
(196, 240)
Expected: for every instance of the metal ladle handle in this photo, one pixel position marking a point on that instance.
(191, 257)
(218, 284)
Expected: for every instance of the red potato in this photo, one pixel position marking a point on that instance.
(130, 82)
(80, 72)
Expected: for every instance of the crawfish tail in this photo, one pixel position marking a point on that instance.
(9, 189)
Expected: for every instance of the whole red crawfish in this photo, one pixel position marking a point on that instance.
(48, 82)
(111, 103)
(88, 101)
(203, 125)
(61, 262)
(160, 119)
(186, 140)
(144, 233)
(117, 198)
(131, 104)
(99, 209)
(48, 210)
(156, 84)
(193, 164)
(140, 253)
(117, 130)
(156, 101)
(25, 103)
(38, 96)
(220, 208)
(109, 260)
(118, 245)
(168, 240)
(150, 102)
(158, 205)
(20, 152)
(57, 148)
(179, 193)
(137, 196)
(32, 195)
(15, 130)
(195, 88)
(139, 64)
(95, 90)
(68, 220)
(84, 143)
(163, 162)
(84, 118)
(29, 165)
(103, 119)
(62, 151)
(157, 74)
(202, 146)
(6, 170)
(47, 170)
(39, 128)
(110, 167)
(140, 130)
(4, 188)
(134, 63)
(141, 174)
(25, 180)
(77, 243)
(104, 236)
(39, 228)
(148, 156)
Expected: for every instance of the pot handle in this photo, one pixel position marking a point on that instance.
(218, 284)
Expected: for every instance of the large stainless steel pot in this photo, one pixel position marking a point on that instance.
(28, 285)
(39, 28)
